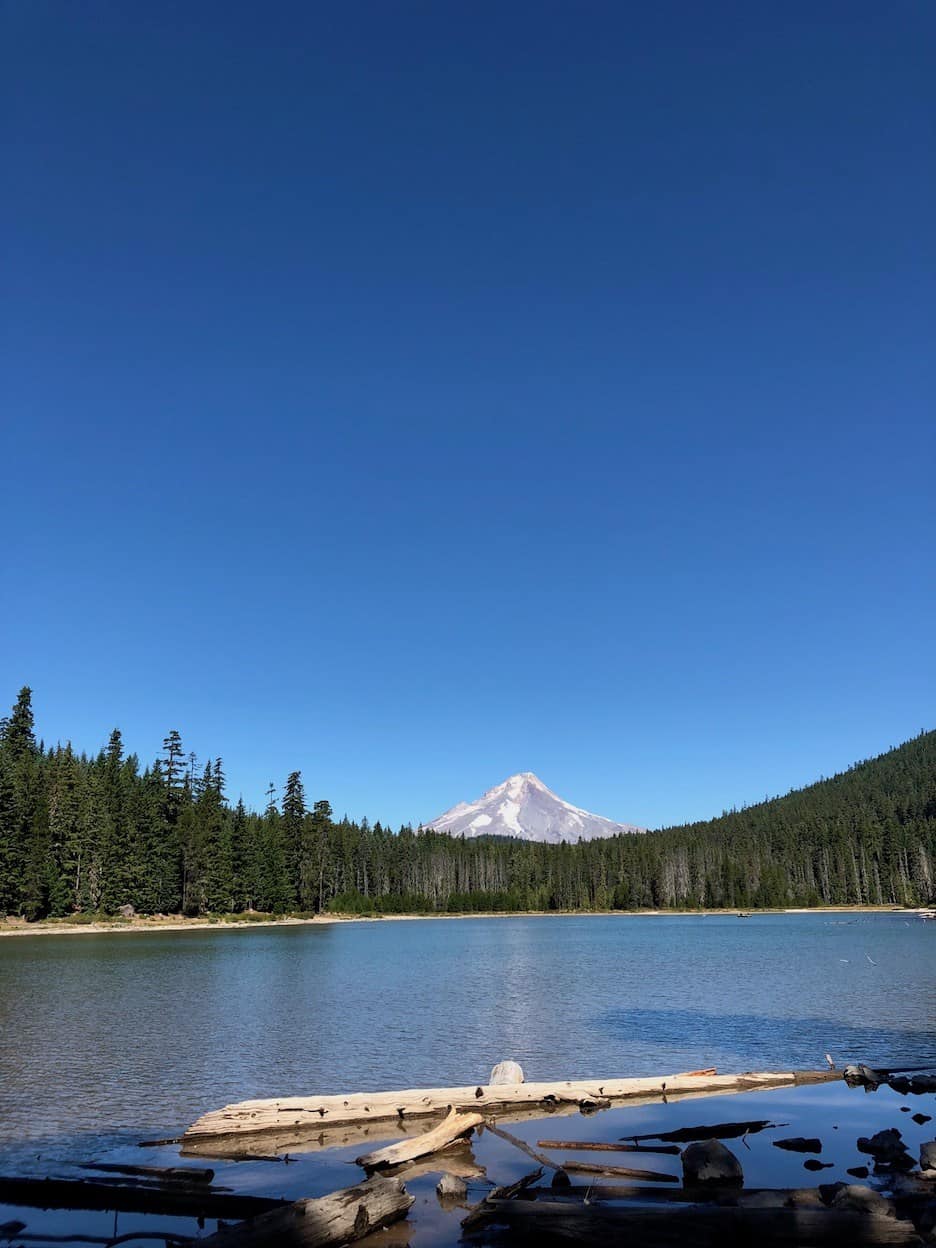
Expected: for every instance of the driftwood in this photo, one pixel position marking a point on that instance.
(454, 1127)
(169, 1199)
(166, 1174)
(312, 1137)
(330, 1220)
(540, 1158)
(590, 1191)
(619, 1172)
(910, 1193)
(499, 1195)
(720, 1131)
(457, 1160)
(712, 1226)
(286, 1113)
(602, 1147)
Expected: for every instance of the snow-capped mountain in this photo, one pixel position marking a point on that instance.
(523, 807)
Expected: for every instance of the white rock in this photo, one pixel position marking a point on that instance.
(506, 1072)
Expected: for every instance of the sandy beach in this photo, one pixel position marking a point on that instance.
(177, 923)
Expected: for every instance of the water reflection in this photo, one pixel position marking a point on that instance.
(143, 1033)
(769, 1042)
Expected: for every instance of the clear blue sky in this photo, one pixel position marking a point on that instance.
(415, 393)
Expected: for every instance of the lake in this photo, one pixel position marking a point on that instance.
(109, 1039)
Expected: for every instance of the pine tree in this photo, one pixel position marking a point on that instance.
(23, 840)
(292, 821)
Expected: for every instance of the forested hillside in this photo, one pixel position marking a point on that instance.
(89, 834)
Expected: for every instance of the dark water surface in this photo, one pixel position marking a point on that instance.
(109, 1038)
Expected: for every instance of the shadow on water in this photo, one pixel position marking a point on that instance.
(768, 1042)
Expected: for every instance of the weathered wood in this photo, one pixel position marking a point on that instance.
(478, 1213)
(457, 1160)
(339, 1218)
(540, 1158)
(169, 1174)
(619, 1172)
(548, 1222)
(454, 1127)
(285, 1113)
(172, 1200)
(660, 1195)
(312, 1138)
(590, 1146)
(719, 1131)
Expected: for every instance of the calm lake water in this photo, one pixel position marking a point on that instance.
(107, 1039)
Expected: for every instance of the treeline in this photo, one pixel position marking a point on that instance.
(82, 834)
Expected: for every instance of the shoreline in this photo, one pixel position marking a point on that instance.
(176, 923)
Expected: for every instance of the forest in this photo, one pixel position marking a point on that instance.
(84, 835)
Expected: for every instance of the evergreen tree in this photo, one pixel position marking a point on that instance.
(80, 833)
(291, 824)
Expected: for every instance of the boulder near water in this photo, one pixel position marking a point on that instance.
(855, 1197)
(451, 1188)
(887, 1148)
(708, 1162)
(506, 1072)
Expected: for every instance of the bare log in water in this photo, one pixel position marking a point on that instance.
(370, 1134)
(540, 1158)
(480, 1211)
(253, 1117)
(720, 1131)
(170, 1199)
(326, 1222)
(167, 1174)
(549, 1222)
(455, 1127)
(619, 1172)
(608, 1147)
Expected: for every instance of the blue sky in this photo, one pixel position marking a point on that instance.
(417, 393)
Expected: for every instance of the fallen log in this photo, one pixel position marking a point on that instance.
(286, 1113)
(169, 1174)
(457, 1160)
(712, 1226)
(602, 1147)
(720, 1131)
(540, 1158)
(325, 1222)
(619, 1172)
(171, 1200)
(454, 1127)
(642, 1192)
(477, 1214)
(312, 1138)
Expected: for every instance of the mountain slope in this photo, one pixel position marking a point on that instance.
(524, 808)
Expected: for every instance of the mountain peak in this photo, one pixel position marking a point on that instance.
(522, 806)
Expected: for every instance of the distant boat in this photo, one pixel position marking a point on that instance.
(742, 914)
(928, 914)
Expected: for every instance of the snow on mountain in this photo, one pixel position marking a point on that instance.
(523, 807)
